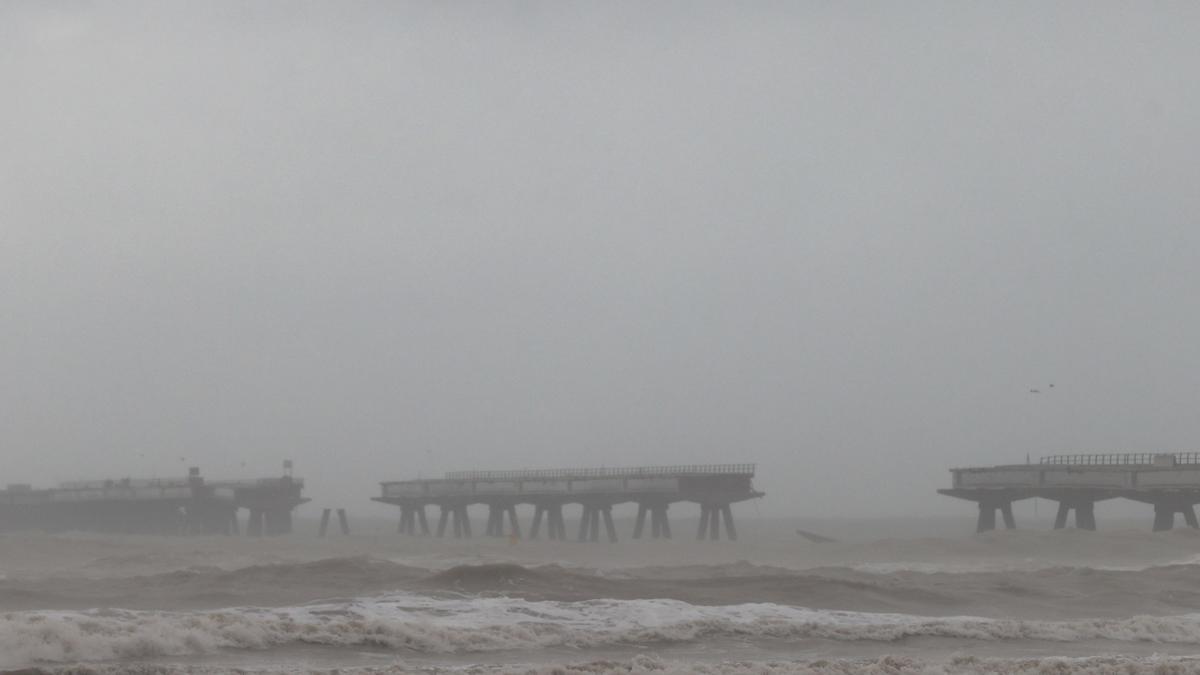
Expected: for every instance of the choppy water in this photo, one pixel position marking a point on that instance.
(1007, 602)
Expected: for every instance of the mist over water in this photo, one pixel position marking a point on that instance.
(854, 245)
(374, 601)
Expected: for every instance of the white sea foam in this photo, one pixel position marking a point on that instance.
(650, 665)
(424, 624)
(982, 567)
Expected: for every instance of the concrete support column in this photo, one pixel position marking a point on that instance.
(420, 510)
(710, 522)
(730, 532)
(538, 510)
(442, 519)
(514, 526)
(608, 524)
(270, 522)
(255, 527)
(660, 525)
(702, 531)
(1085, 514)
(585, 522)
(277, 521)
(462, 522)
(408, 519)
(324, 522)
(558, 523)
(1060, 518)
(987, 514)
(1164, 517)
(1189, 515)
(492, 529)
(1006, 511)
(641, 521)
(594, 530)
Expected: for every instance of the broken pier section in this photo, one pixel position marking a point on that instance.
(190, 505)
(1168, 482)
(715, 487)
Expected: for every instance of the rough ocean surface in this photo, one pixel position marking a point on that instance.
(892, 597)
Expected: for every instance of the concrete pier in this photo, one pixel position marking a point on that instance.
(178, 506)
(1168, 482)
(716, 487)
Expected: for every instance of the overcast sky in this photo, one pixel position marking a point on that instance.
(389, 240)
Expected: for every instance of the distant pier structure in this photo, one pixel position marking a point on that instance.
(190, 505)
(1168, 482)
(715, 487)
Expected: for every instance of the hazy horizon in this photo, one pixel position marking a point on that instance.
(390, 240)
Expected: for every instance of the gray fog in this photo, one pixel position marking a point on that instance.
(387, 240)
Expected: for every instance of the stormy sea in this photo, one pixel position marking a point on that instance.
(889, 596)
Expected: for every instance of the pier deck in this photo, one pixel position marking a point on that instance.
(1168, 482)
(653, 488)
(188, 505)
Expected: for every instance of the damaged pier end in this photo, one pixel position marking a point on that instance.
(1168, 482)
(715, 487)
(177, 506)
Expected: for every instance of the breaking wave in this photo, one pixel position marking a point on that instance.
(425, 624)
(649, 665)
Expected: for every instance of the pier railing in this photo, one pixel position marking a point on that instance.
(1122, 459)
(606, 472)
(117, 483)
